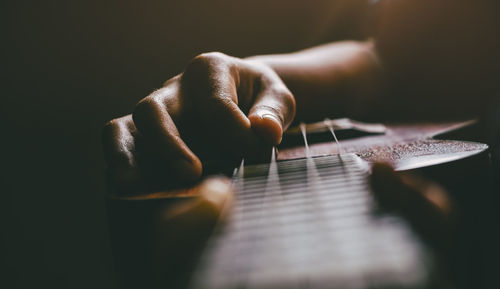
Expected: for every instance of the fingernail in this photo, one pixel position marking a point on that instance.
(276, 120)
(271, 117)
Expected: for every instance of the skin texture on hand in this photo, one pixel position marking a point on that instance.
(223, 105)
(436, 65)
(342, 78)
(219, 107)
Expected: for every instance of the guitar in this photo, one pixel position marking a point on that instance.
(307, 218)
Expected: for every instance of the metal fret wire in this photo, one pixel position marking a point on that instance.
(306, 223)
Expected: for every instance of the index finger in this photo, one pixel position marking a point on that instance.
(119, 141)
(152, 116)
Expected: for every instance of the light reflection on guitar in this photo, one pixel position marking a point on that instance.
(405, 146)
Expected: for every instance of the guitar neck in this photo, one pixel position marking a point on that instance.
(307, 221)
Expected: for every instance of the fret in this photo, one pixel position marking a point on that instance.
(309, 223)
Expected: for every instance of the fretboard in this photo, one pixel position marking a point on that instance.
(310, 223)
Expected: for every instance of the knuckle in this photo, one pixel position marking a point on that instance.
(210, 57)
(111, 141)
(206, 62)
(109, 130)
(144, 109)
(113, 128)
(110, 125)
(172, 80)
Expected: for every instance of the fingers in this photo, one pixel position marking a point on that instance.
(210, 82)
(152, 117)
(423, 203)
(223, 89)
(204, 108)
(273, 109)
(214, 194)
(119, 148)
(182, 230)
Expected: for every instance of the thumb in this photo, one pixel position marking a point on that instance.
(214, 194)
(272, 113)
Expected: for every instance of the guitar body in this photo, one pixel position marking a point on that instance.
(405, 146)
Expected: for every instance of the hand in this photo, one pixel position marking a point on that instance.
(220, 107)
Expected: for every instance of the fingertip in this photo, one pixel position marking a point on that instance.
(215, 192)
(267, 126)
(203, 211)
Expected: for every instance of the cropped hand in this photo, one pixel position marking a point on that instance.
(220, 107)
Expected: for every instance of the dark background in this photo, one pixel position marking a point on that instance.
(67, 68)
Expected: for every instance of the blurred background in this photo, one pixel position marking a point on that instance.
(70, 66)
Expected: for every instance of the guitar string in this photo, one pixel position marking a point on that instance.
(348, 177)
(275, 207)
(340, 151)
(314, 179)
(266, 205)
(240, 218)
(273, 183)
(329, 125)
(306, 144)
(266, 208)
